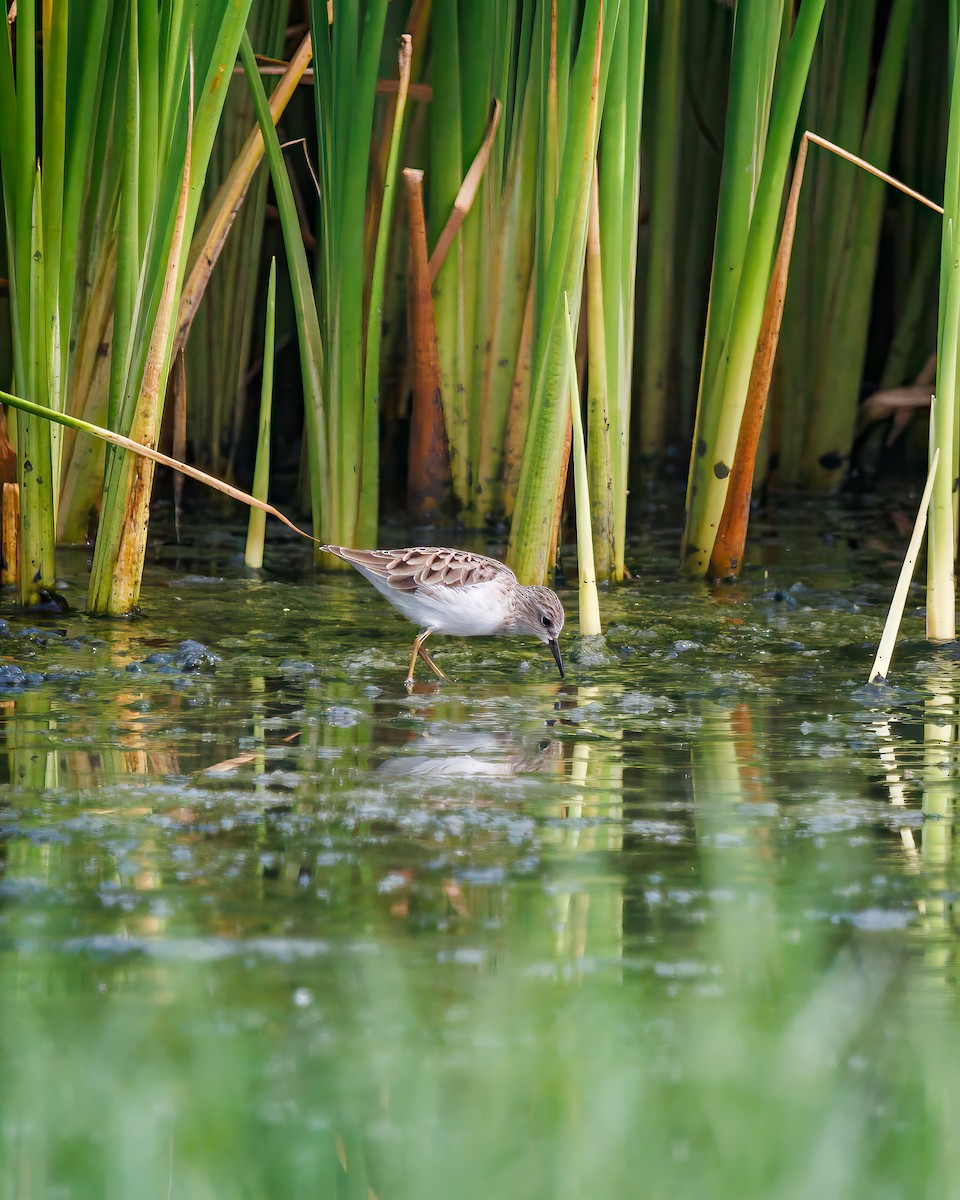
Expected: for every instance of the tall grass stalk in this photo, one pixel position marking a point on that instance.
(835, 105)
(90, 240)
(96, 251)
(35, 441)
(747, 228)
(559, 269)
(42, 195)
(505, 323)
(257, 521)
(756, 36)
(727, 554)
(589, 601)
(232, 198)
(942, 544)
(218, 355)
(316, 415)
(370, 456)
(340, 330)
(346, 58)
(618, 215)
(494, 285)
(154, 230)
(599, 451)
(850, 257)
(121, 543)
(443, 182)
(482, 187)
(657, 384)
(706, 70)
(89, 253)
(726, 559)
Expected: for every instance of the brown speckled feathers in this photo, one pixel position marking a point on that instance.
(424, 566)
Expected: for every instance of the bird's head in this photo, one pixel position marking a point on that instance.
(542, 615)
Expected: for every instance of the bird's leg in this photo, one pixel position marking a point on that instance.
(418, 649)
(413, 661)
(430, 663)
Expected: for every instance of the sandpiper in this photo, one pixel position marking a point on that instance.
(454, 591)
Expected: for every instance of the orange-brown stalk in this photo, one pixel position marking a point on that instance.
(726, 560)
(727, 557)
(428, 478)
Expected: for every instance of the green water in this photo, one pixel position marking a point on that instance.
(680, 925)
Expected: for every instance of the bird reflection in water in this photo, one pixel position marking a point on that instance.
(459, 754)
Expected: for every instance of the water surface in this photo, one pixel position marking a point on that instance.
(679, 924)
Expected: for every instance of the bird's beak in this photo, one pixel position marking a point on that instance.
(555, 650)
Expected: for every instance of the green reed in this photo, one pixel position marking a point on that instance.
(340, 328)
(757, 150)
(850, 250)
(257, 521)
(942, 537)
(92, 161)
(618, 204)
(163, 153)
(218, 355)
(575, 88)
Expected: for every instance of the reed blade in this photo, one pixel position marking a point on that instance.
(734, 321)
(589, 601)
(888, 639)
(942, 542)
(257, 522)
(369, 504)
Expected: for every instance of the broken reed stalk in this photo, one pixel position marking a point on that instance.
(466, 195)
(881, 664)
(456, 288)
(872, 170)
(428, 475)
(125, 443)
(385, 87)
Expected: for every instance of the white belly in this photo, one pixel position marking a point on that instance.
(472, 611)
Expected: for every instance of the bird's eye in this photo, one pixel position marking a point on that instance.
(545, 620)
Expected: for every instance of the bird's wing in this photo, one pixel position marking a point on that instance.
(423, 566)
